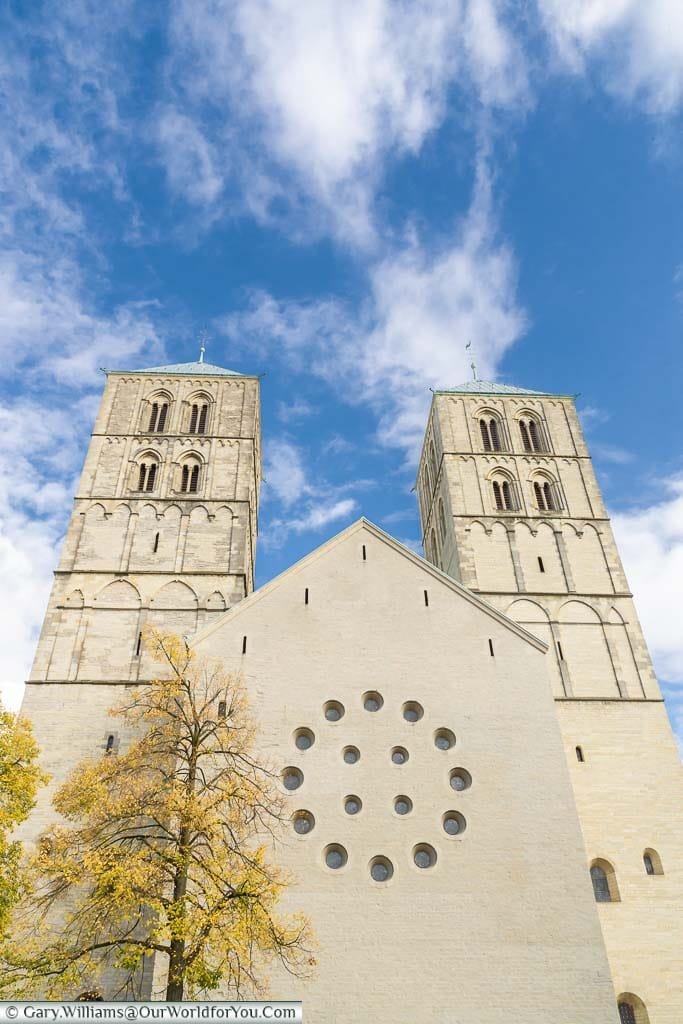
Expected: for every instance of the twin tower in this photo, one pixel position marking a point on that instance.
(163, 533)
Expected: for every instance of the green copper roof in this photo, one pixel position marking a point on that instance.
(488, 387)
(189, 369)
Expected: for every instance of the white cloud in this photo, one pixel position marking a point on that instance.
(328, 91)
(411, 333)
(638, 44)
(298, 409)
(284, 476)
(651, 543)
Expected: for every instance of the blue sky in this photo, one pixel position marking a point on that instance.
(344, 194)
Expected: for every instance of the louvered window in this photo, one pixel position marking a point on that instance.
(189, 480)
(201, 425)
(526, 441)
(485, 436)
(153, 417)
(163, 413)
(495, 435)
(151, 477)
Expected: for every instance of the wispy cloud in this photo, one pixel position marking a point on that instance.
(411, 332)
(636, 46)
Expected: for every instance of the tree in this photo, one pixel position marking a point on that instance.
(20, 777)
(164, 852)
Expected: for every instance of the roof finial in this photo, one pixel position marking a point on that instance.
(473, 365)
(203, 338)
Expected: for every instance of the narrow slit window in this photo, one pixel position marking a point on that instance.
(244, 645)
(579, 755)
(306, 596)
(138, 646)
(156, 542)
(426, 599)
(111, 740)
(541, 567)
(559, 650)
(365, 557)
(491, 648)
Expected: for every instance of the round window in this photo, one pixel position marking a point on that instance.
(292, 778)
(444, 739)
(412, 711)
(424, 856)
(399, 755)
(304, 738)
(453, 823)
(403, 805)
(333, 711)
(351, 755)
(335, 856)
(304, 822)
(352, 804)
(372, 701)
(381, 869)
(460, 779)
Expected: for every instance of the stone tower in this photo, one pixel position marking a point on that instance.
(510, 507)
(162, 533)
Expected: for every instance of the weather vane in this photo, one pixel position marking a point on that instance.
(473, 365)
(203, 338)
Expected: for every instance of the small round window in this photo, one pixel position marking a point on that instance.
(453, 823)
(412, 711)
(304, 738)
(352, 804)
(333, 711)
(444, 739)
(460, 779)
(292, 778)
(381, 869)
(335, 856)
(399, 755)
(403, 805)
(372, 701)
(351, 755)
(304, 822)
(424, 856)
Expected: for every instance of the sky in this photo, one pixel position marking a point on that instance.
(342, 195)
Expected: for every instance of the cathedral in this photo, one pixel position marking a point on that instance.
(485, 792)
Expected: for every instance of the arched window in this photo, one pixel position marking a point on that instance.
(442, 520)
(632, 1010)
(600, 884)
(432, 461)
(653, 863)
(157, 417)
(490, 434)
(547, 496)
(532, 435)
(604, 882)
(504, 497)
(198, 417)
(147, 475)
